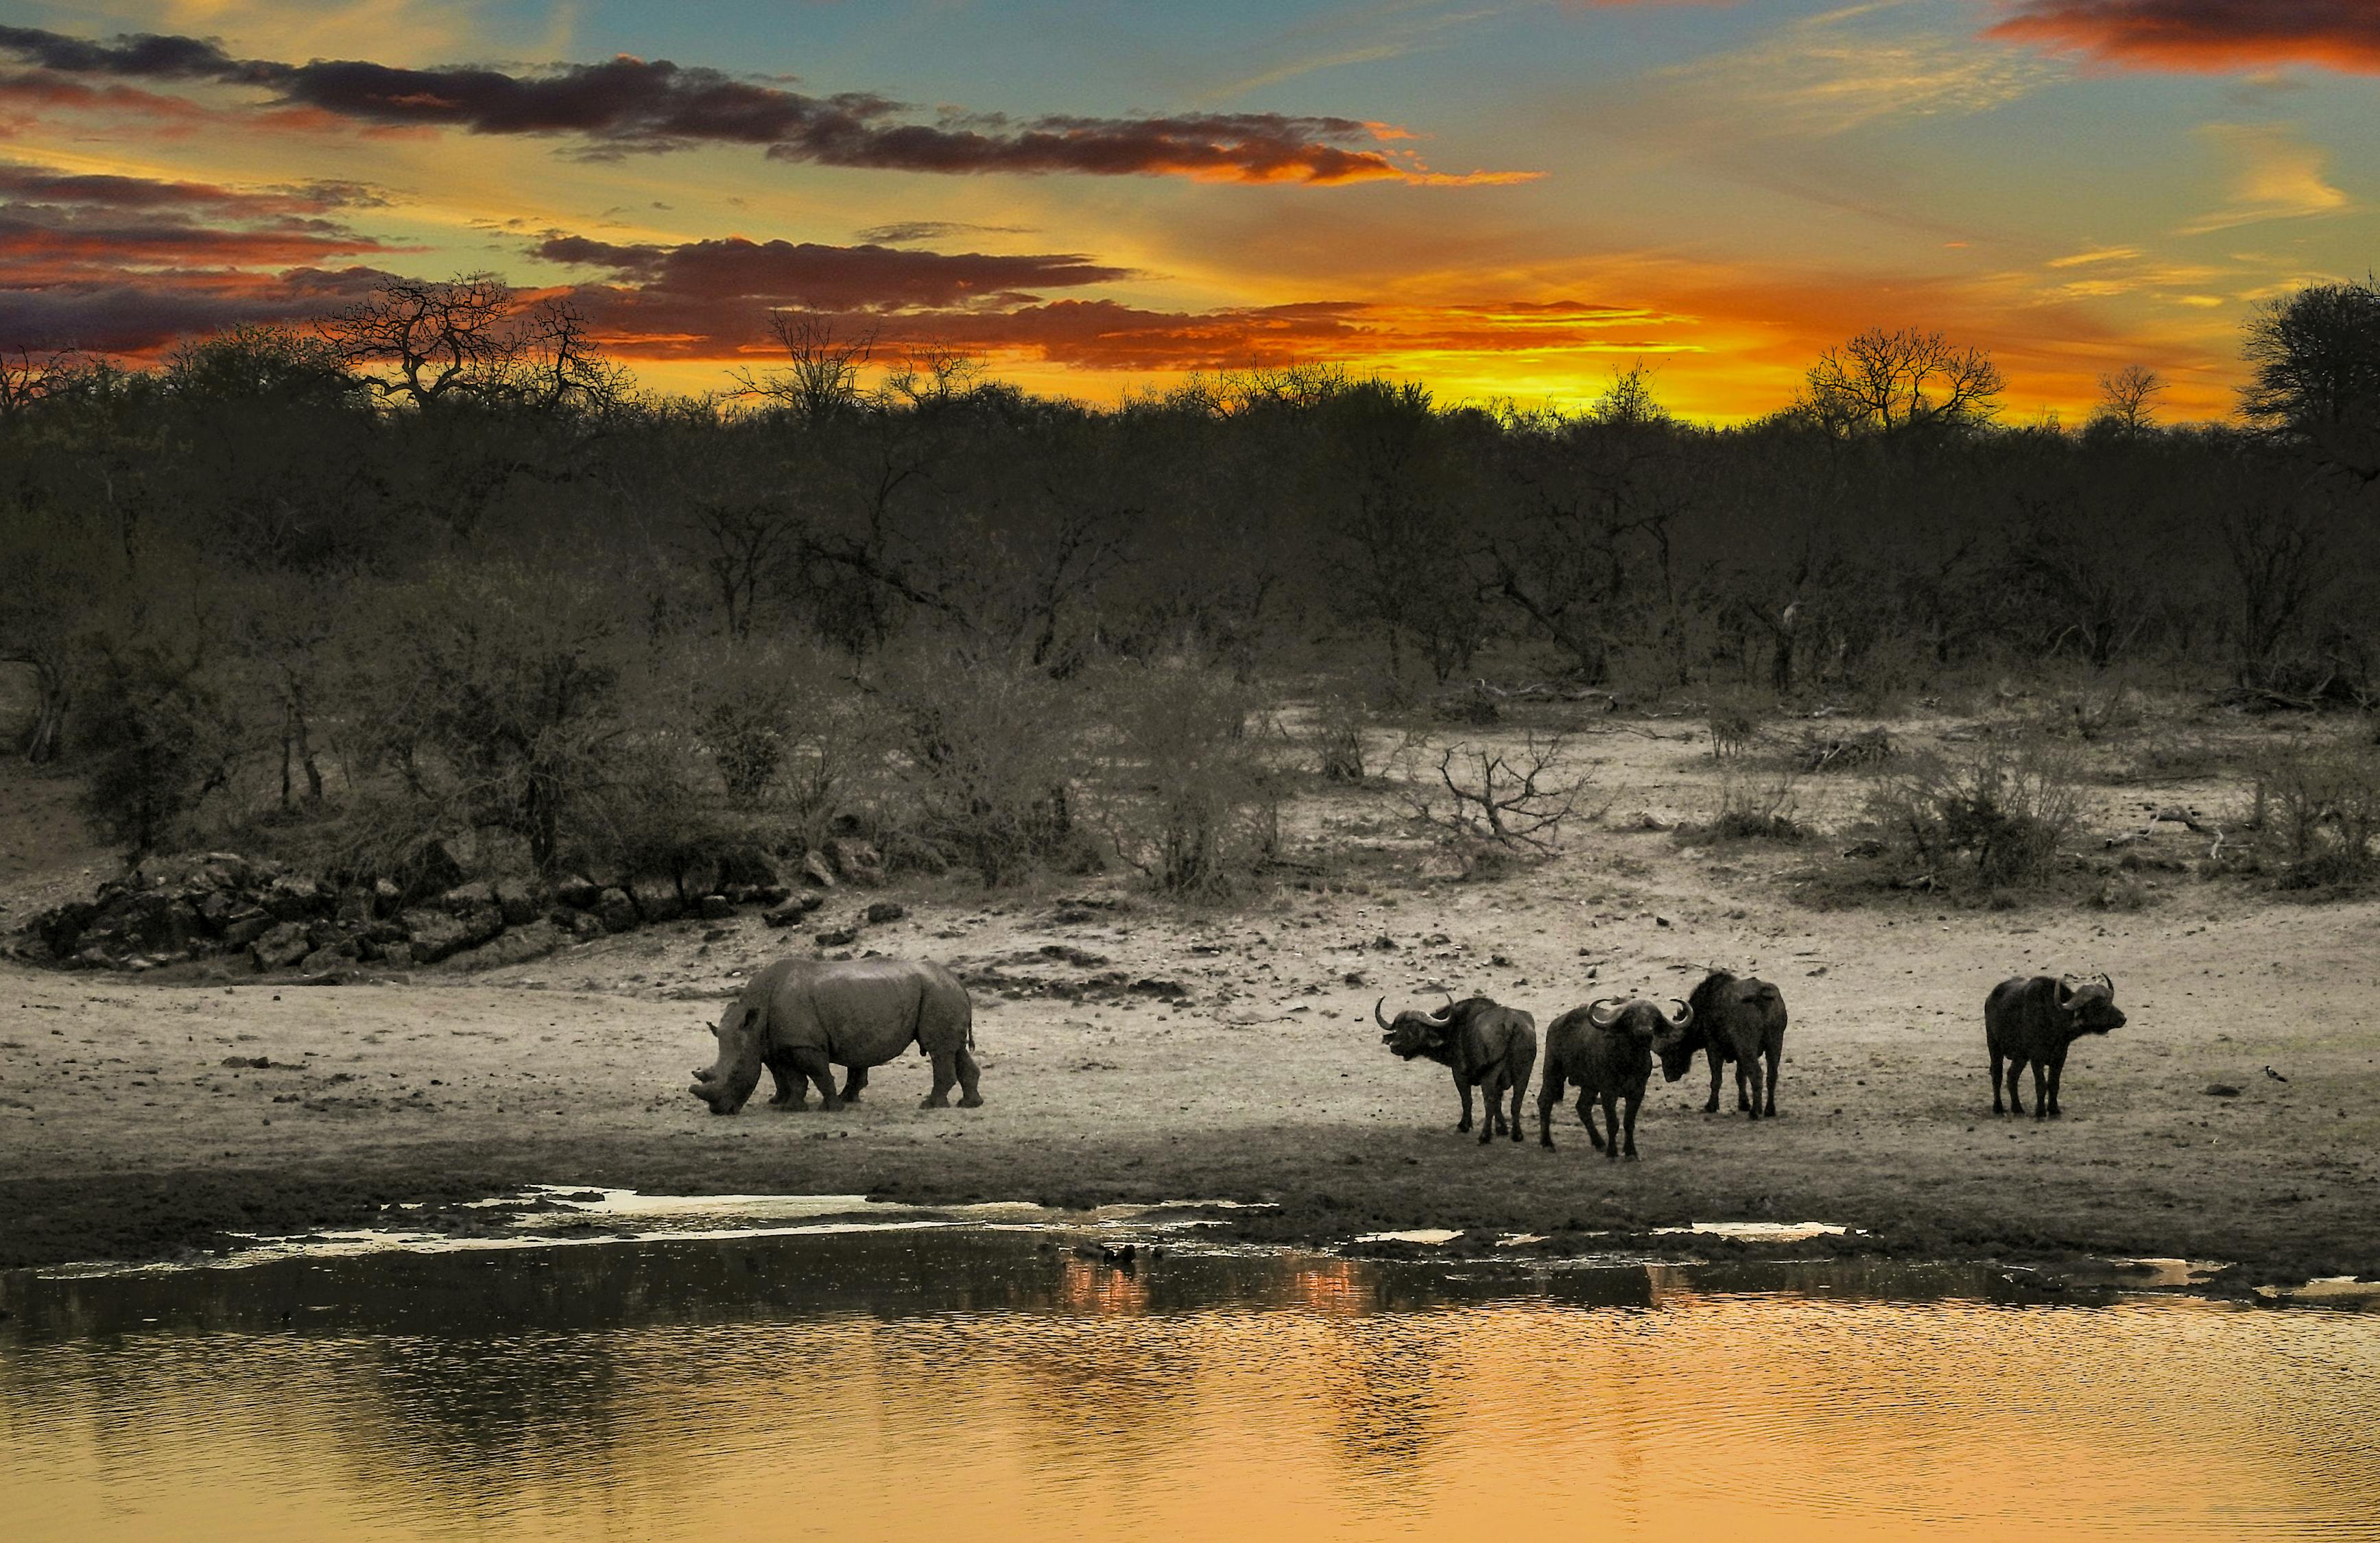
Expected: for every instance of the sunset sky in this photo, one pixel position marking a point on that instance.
(1502, 199)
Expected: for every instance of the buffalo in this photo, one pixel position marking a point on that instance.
(1605, 1049)
(1486, 1046)
(2033, 1021)
(1737, 1018)
(803, 1018)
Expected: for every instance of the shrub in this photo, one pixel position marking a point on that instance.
(1755, 809)
(162, 732)
(1519, 799)
(987, 756)
(1186, 791)
(1998, 812)
(1340, 722)
(2318, 813)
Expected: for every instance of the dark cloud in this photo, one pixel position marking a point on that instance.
(822, 277)
(907, 231)
(2208, 36)
(627, 104)
(48, 185)
(141, 313)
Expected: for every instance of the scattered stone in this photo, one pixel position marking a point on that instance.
(815, 871)
(883, 911)
(840, 937)
(715, 907)
(657, 900)
(517, 946)
(282, 947)
(579, 892)
(582, 926)
(464, 898)
(433, 934)
(615, 910)
(519, 901)
(2221, 1090)
(856, 860)
(294, 897)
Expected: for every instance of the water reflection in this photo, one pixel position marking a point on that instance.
(995, 1385)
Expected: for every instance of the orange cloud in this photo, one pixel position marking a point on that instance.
(2202, 36)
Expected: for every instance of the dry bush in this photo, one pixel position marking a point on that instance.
(2316, 814)
(1821, 751)
(1517, 799)
(1755, 807)
(1734, 725)
(1997, 812)
(985, 763)
(1186, 789)
(1340, 721)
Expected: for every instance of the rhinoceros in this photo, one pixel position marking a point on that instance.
(803, 1018)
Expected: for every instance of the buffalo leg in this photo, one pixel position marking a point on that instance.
(1519, 1086)
(1998, 1070)
(1491, 1118)
(1463, 1091)
(2041, 1091)
(1747, 1086)
(1718, 1070)
(2015, 1071)
(1633, 1100)
(1775, 1054)
(2057, 1072)
(813, 1064)
(970, 1075)
(1587, 1117)
(1611, 1127)
(792, 1092)
(852, 1082)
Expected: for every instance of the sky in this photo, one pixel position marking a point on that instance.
(1096, 197)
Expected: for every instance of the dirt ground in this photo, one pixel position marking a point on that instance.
(1134, 1051)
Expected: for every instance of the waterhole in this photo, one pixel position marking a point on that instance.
(984, 1384)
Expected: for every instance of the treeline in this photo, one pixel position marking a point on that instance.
(435, 564)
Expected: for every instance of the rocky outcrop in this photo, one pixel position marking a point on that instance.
(264, 917)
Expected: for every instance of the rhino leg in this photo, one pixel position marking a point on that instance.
(970, 1077)
(852, 1084)
(946, 1077)
(813, 1064)
(792, 1091)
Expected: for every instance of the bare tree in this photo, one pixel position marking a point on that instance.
(1515, 799)
(821, 380)
(2128, 398)
(1894, 381)
(425, 341)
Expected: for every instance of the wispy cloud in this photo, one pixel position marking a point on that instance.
(2272, 177)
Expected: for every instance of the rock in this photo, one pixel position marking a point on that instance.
(517, 946)
(433, 934)
(62, 928)
(294, 897)
(468, 897)
(579, 892)
(354, 906)
(715, 907)
(657, 899)
(244, 926)
(884, 911)
(795, 908)
(1385, 943)
(2221, 1090)
(695, 878)
(815, 871)
(387, 899)
(739, 895)
(337, 957)
(616, 911)
(397, 956)
(840, 937)
(156, 925)
(518, 900)
(434, 868)
(215, 910)
(481, 924)
(856, 860)
(771, 894)
(325, 934)
(745, 865)
(583, 927)
(282, 947)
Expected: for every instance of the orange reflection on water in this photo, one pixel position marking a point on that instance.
(1197, 1398)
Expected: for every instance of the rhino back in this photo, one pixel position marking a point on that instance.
(861, 1012)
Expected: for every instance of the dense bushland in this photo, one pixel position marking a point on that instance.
(265, 588)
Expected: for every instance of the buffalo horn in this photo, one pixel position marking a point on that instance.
(1444, 1012)
(1682, 1016)
(1376, 1014)
(2103, 979)
(1603, 1012)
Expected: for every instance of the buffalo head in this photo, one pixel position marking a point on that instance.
(1415, 1033)
(1642, 1021)
(2089, 1003)
(727, 1082)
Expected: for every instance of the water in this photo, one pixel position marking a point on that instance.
(987, 1385)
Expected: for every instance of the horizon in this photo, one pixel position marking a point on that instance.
(1504, 202)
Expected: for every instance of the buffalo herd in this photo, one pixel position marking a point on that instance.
(1605, 1049)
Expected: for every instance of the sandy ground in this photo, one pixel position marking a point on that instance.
(136, 1122)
